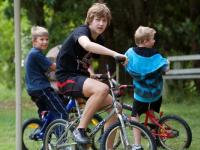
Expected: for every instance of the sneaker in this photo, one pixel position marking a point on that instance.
(80, 136)
(37, 135)
(137, 147)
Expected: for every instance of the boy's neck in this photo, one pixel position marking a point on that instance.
(38, 48)
(94, 35)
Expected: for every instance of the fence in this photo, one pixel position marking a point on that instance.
(179, 72)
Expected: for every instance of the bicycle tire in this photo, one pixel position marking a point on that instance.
(54, 131)
(147, 140)
(28, 128)
(49, 136)
(180, 129)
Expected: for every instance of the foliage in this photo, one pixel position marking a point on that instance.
(177, 35)
(6, 47)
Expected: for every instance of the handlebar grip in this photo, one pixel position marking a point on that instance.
(120, 59)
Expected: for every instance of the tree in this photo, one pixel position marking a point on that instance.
(176, 22)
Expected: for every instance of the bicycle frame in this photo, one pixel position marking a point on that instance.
(150, 116)
(166, 133)
(115, 110)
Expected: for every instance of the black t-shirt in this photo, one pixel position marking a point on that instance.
(72, 58)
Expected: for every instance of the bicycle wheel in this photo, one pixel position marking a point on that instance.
(147, 140)
(58, 136)
(175, 133)
(29, 127)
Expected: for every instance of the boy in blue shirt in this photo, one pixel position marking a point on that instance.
(146, 66)
(37, 83)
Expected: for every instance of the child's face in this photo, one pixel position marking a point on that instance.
(41, 42)
(98, 25)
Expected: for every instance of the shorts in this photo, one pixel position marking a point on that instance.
(141, 107)
(72, 86)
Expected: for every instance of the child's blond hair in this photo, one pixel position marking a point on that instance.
(37, 31)
(143, 33)
(99, 10)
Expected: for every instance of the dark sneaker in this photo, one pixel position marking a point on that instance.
(37, 135)
(80, 137)
(137, 147)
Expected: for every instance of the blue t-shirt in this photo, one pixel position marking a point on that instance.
(36, 65)
(146, 67)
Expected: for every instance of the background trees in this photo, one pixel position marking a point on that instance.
(177, 24)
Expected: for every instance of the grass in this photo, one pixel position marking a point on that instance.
(187, 110)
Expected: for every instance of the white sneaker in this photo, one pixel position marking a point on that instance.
(137, 147)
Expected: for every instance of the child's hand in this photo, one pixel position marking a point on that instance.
(168, 67)
(126, 62)
(168, 61)
(121, 58)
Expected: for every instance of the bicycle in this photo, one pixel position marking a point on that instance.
(59, 135)
(170, 131)
(166, 130)
(32, 125)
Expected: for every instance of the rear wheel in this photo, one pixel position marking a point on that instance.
(29, 127)
(175, 133)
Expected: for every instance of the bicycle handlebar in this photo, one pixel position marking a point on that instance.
(120, 59)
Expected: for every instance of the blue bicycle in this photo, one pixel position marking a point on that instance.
(33, 129)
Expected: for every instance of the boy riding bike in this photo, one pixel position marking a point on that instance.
(73, 62)
(37, 83)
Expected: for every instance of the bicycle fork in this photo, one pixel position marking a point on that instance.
(123, 134)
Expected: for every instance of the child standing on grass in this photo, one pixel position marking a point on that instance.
(146, 66)
(37, 83)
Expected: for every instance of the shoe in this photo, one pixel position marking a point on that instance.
(80, 137)
(37, 135)
(137, 147)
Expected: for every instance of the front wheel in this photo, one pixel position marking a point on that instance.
(58, 136)
(29, 127)
(113, 138)
(174, 133)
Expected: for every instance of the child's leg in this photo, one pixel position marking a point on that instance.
(138, 109)
(136, 132)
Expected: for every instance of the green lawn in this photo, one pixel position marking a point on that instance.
(190, 112)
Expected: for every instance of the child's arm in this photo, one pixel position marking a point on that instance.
(90, 46)
(166, 67)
